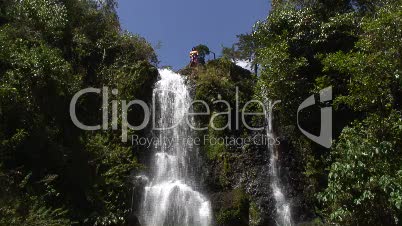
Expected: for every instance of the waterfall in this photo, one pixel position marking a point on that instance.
(170, 199)
(283, 210)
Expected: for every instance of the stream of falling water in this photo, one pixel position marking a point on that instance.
(170, 199)
(283, 211)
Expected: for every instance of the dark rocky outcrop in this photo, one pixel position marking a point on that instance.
(232, 171)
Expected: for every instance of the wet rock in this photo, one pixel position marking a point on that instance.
(132, 220)
(231, 208)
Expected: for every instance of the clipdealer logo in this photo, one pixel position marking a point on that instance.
(324, 139)
(125, 106)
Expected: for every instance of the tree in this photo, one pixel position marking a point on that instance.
(365, 171)
(53, 173)
(355, 47)
(244, 49)
(203, 51)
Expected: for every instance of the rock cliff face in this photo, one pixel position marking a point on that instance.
(237, 177)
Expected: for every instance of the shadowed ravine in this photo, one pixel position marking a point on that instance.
(170, 198)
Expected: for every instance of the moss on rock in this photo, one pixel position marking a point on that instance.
(232, 208)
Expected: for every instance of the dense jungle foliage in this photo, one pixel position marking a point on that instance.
(52, 173)
(355, 47)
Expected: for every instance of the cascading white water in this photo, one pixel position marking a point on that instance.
(170, 199)
(283, 211)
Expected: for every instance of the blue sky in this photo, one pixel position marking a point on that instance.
(181, 24)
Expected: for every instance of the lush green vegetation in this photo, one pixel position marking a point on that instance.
(355, 47)
(51, 173)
